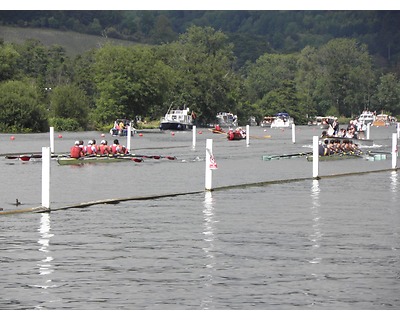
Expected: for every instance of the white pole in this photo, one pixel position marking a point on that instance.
(394, 150)
(46, 177)
(315, 157)
(247, 135)
(368, 129)
(209, 156)
(293, 133)
(128, 138)
(398, 130)
(52, 139)
(194, 137)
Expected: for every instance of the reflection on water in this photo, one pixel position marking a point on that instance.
(45, 266)
(393, 182)
(316, 236)
(209, 238)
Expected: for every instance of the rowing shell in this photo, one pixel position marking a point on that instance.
(83, 160)
(335, 156)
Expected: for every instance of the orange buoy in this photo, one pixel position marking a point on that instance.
(60, 136)
(12, 138)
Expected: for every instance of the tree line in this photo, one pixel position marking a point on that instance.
(41, 86)
(252, 32)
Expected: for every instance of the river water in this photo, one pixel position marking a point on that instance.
(279, 240)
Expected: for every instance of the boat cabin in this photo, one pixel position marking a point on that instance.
(227, 119)
(177, 119)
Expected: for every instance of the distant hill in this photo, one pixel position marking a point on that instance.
(73, 42)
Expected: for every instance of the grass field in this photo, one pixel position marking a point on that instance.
(73, 42)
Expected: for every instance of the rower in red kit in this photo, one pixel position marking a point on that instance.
(116, 148)
(76, 151)
(104, 149)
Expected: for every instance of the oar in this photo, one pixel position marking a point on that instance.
(285, 156)
(164, 157)
(378, 152)
(12, 157)
(25, 158)
(22, 157)
(127, 156)
(155, 157)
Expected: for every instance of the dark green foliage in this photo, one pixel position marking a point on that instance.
(20, 108)
(303, 63)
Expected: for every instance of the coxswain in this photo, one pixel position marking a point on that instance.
(76, 151)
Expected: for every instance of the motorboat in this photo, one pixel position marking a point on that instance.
(252, 121)
(266, 121)
(227, 119)
(120, 127)
(322, 122)
(282, 120)
(177, 119)
(366, 117)
(383, 120)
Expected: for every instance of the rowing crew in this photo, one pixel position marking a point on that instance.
(79, 150)
(329, 147)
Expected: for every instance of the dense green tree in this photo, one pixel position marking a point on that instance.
(20, 107)
(267, 81)
(69, 103)
(33, 58)
(345, 76)
(8, 61)
(129, 80)
(268, 73)
(203, 63)
(324, 74)
(162, 31)
(306, 81)
(82, 75)
(388, 94)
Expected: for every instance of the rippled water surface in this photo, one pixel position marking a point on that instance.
(302, 244)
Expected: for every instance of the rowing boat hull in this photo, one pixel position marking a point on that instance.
(334, 157)
(359, 142)
(83, 160)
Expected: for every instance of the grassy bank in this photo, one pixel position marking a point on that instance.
(73, 42)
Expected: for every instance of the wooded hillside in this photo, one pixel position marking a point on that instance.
(250, 63)
(252, 32)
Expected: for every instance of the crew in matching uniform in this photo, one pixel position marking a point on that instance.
(117, 148)
(104, 148)
(79, 150)
(76, 150)
(91, 148)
